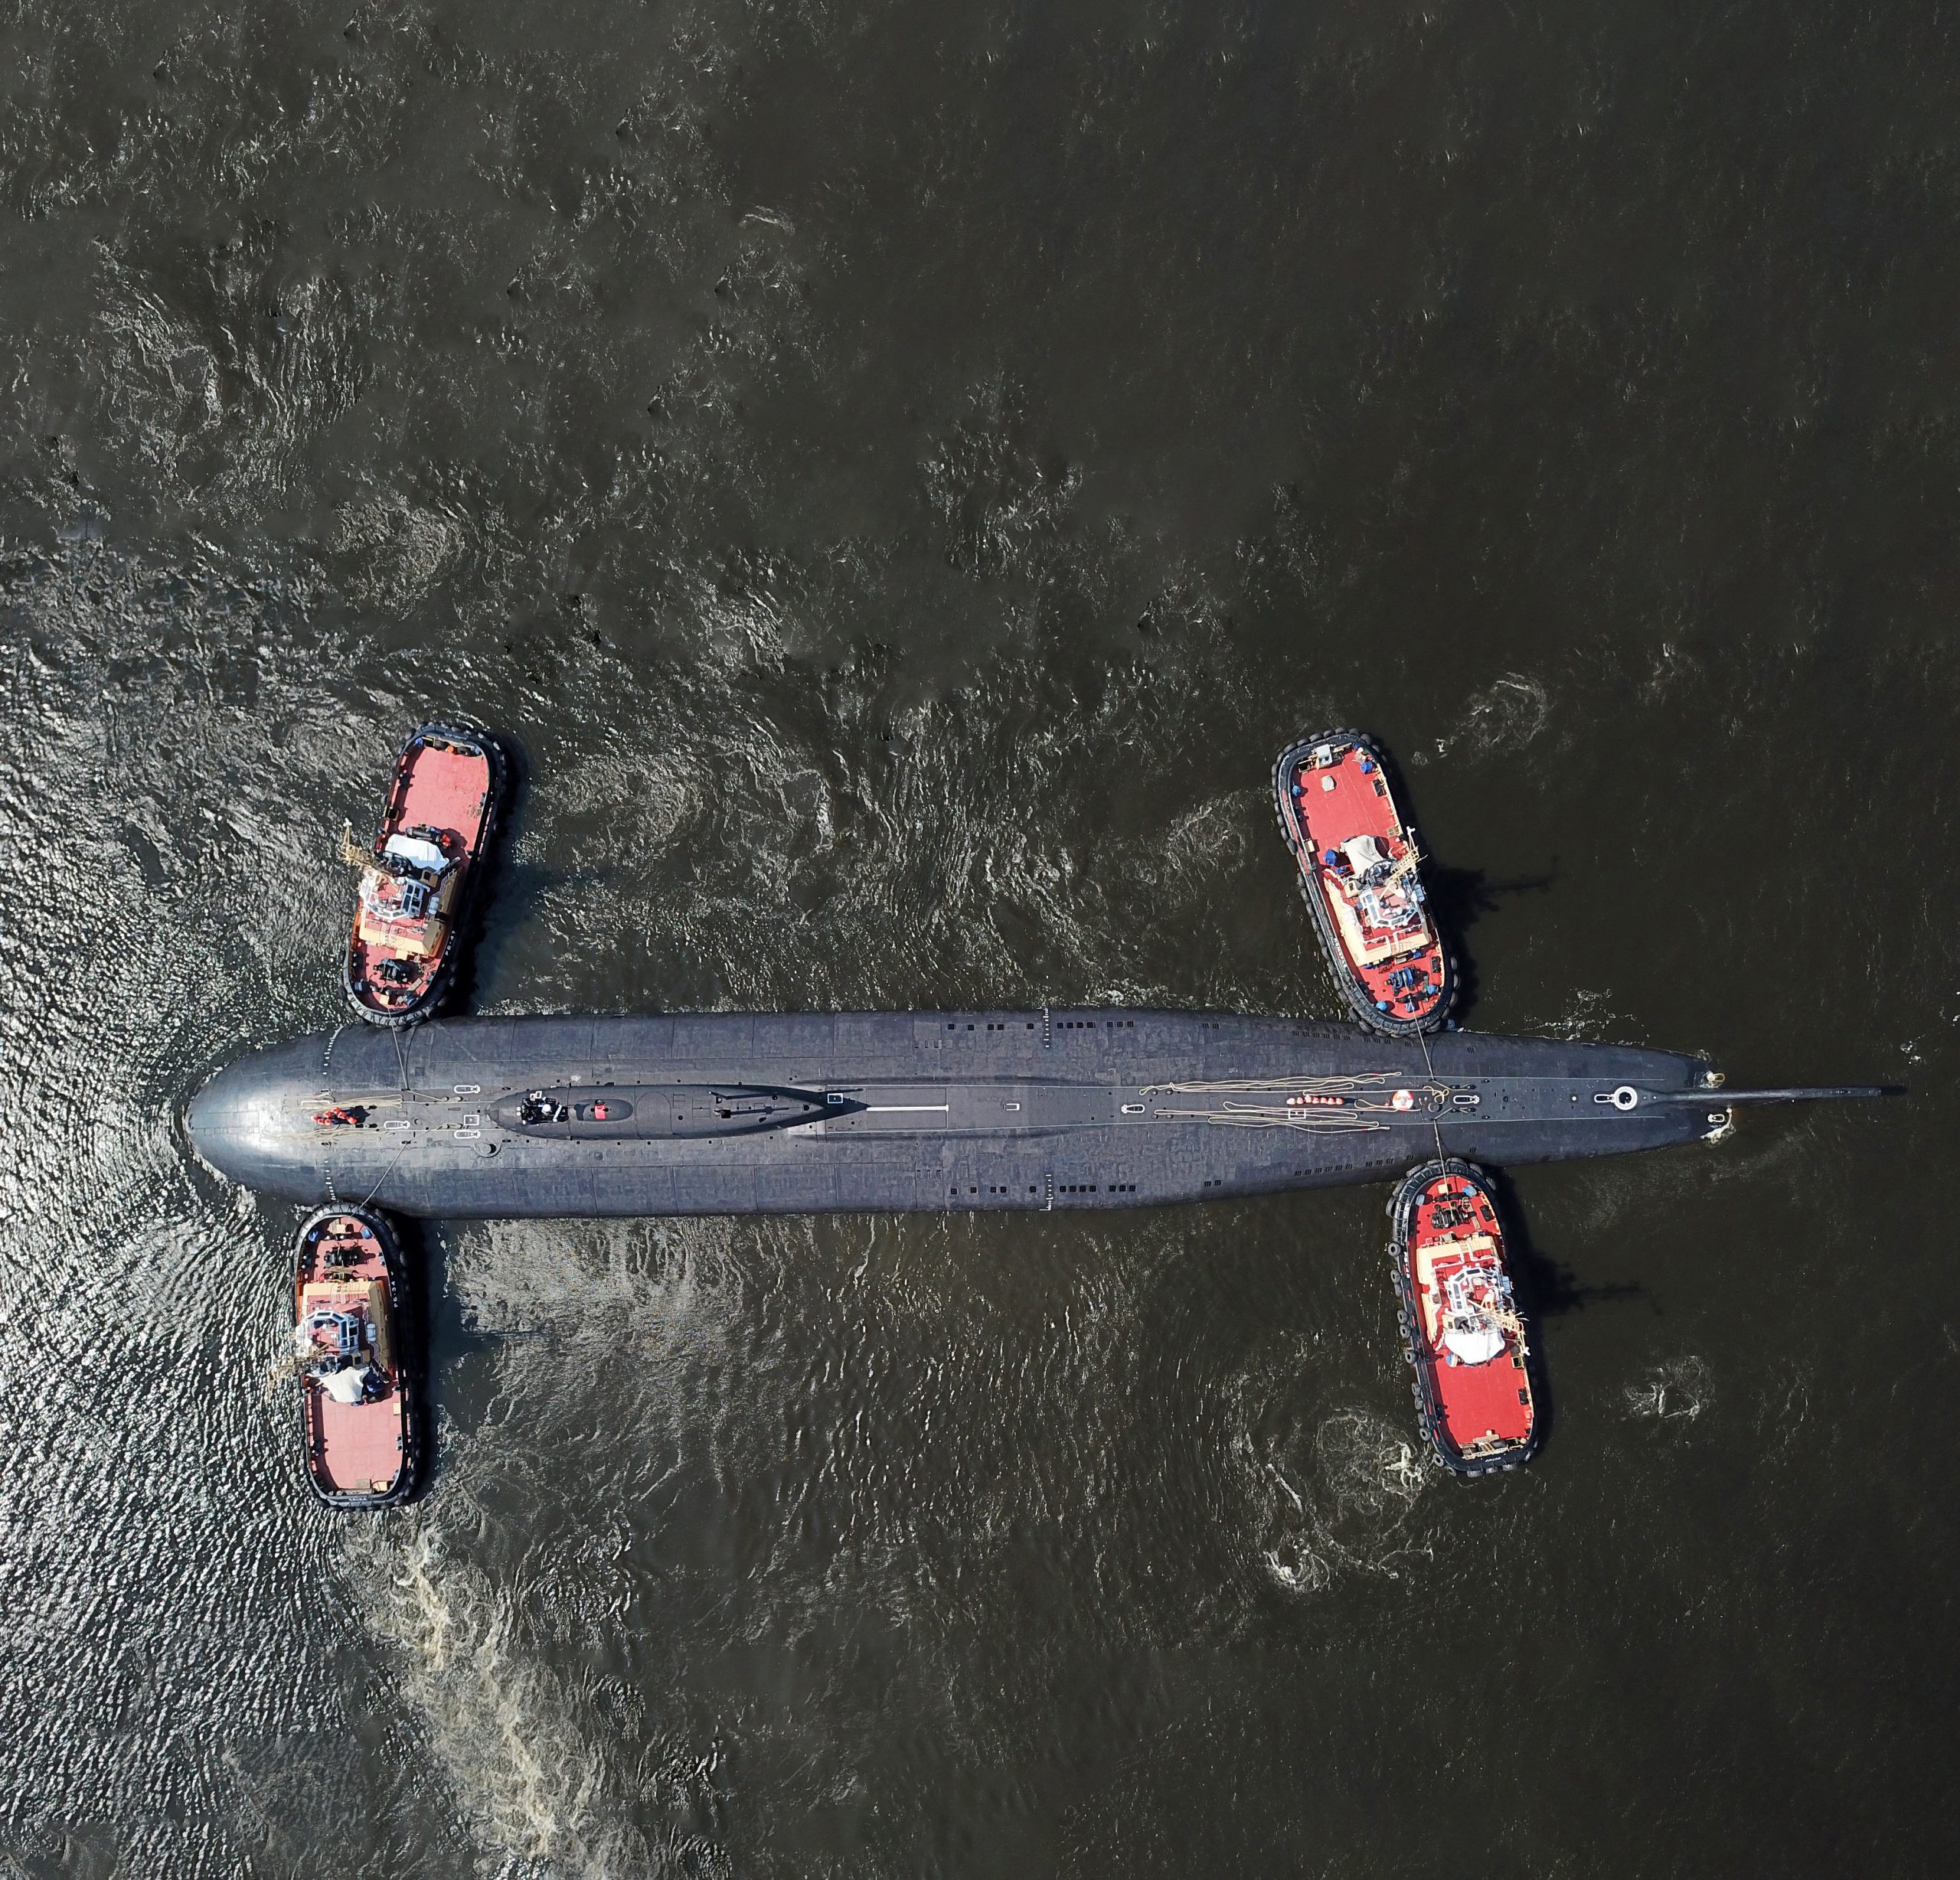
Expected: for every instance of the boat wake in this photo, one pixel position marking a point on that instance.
(1510, 711)
(530, 1785)
(1342, 1499)
(1677, 1392)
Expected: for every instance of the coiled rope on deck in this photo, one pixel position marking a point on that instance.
(1331, 1084)
(1366, 1095)
(1249, 1116)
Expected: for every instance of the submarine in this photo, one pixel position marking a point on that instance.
(736, 1113)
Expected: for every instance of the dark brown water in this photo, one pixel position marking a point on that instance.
(901, 472)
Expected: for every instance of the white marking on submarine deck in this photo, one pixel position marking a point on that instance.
(905, 1109)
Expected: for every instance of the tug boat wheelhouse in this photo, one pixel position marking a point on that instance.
(1461, 1328)
(1358, 862)
(357, 1410)
(419, 880)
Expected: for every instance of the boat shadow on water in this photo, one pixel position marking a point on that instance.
(513, 890)
(1546, 1289)
(419, 1282)
(489, 910)
(453, 1340)
(1458, 898)
(426, 1260)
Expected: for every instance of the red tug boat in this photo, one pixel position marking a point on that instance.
(1358, 859)
(1461, 1328)
(419, 881)
(357, 1417)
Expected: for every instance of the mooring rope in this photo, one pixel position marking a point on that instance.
(408, 1138)
(1436, 1127)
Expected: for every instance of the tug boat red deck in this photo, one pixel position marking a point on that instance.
(357, 1409)
(1460, 1323)
(421, 878)
(1358, 859)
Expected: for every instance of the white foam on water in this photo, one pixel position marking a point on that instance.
(534, 1788)
(1676, 1391)
(1513, 709)
(1333, 1485)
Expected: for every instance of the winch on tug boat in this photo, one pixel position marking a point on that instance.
(1461, 1330)
(418, 881)
(1359, 862)
(357, 1418)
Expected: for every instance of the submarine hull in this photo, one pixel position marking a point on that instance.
(726, 1113)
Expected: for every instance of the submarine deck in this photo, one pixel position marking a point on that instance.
(737, 1113)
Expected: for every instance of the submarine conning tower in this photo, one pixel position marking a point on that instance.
(731, 1113)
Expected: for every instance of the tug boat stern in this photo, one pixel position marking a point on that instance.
(419, 880)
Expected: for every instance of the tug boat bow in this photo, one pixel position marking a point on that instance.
(1359, 863)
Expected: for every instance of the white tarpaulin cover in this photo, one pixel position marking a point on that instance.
(1362, 853)
(417, 851)
(1478, 1345)
(346, 1386)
